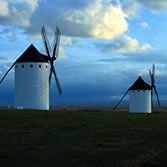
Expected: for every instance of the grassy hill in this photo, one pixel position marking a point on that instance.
(82, 139)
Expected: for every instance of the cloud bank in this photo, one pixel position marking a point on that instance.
(94, 18)
(154, 4)
(17, 12)
(131, 7)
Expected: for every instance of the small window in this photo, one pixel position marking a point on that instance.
(31, 65)
(138, 90)
(39, 66)
(22, 66)
(46, 66)
(143, 90)
(16, 66)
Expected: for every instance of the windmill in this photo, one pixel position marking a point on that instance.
(139, 97)
(153, 87)
(32, 76)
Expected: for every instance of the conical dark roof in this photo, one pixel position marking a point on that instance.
(140, 85)
(32, 55)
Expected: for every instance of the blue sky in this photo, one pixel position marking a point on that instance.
(105, 45)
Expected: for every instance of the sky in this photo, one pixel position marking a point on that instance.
(105, 45)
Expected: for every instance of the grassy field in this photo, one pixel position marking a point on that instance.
(82, 139)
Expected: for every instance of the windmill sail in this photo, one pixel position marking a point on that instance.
(46, 42)
(157, 95)
(54, 54)
(57, 82)
(56, 43)
(153, 87)
(7, 72)
(120, 100)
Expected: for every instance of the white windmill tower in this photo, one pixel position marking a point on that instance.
(141, 95)
(32, 77)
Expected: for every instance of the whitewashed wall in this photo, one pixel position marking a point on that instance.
(32, 85)
(140, 101)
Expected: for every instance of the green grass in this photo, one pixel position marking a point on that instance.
(82, 139)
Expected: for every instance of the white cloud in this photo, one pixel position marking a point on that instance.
(66, 41)
(132, 45)
(145, 47)
(32, 3)
(154, 4)
(62, 54)
(144, 24)
(3, 8)
(143, 72)
(101, 20)
(130, 7)
(124, 44)
(17, 11)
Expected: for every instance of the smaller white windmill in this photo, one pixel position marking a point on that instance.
(141, 95)
(32, 76)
